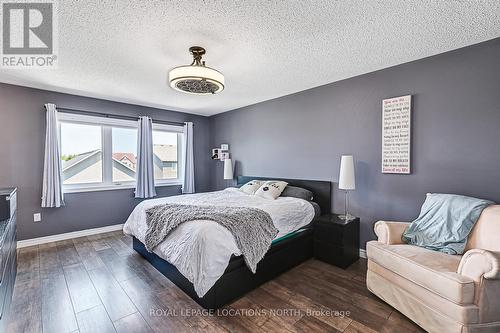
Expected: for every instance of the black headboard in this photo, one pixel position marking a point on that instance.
(322, 190)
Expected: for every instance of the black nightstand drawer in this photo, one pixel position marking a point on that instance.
(336, 255)
(336, 241)
(328, 233)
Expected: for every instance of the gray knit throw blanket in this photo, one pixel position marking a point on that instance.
(252, 228)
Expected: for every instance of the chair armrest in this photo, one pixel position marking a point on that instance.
(477, 263)
(390, 232)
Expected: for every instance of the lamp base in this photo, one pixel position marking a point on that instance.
(347, 217)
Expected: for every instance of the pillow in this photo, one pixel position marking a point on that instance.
(251, 186)
(297, 192)
(317, 209)
(271, 189)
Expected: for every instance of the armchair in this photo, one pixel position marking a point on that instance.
(440, 292)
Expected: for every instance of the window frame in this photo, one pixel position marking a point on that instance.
(180, 143)
(107, 125)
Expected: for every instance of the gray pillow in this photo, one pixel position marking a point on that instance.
(317, 209)
(297, 192)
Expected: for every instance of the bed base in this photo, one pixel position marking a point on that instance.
(237, 280)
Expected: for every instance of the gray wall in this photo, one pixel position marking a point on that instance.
(22, 134)
(456, 134)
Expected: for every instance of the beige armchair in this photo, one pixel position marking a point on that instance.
(440, 292)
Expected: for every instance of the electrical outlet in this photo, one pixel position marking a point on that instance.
(37, 217)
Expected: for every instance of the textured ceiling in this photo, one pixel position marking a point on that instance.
(122, 50)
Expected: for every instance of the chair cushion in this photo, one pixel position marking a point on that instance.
(429, 269)
(399, 291)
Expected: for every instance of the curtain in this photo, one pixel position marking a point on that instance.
(188, 160)
(52, 193)
(145, 183)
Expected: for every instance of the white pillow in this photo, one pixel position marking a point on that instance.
(271, 189)
(251, 186)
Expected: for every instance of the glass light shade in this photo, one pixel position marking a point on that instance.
(196, 80)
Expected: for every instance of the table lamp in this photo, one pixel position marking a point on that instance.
(347, 183)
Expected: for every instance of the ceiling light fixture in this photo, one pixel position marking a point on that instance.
(196, 78)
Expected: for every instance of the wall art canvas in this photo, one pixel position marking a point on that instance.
(396, 135)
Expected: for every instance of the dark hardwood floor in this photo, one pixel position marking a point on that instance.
(99, 284)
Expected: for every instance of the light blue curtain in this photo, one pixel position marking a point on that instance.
(52, 193)
(188, 160)
(145, 183)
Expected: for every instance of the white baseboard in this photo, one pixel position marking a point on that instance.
(68, 235)
(362, 253)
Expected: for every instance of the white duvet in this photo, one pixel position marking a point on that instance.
(201, 249)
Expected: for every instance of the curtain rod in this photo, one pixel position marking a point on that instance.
(107, 115)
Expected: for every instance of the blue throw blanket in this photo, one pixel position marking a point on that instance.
(445, 222)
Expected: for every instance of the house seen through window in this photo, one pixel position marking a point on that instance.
(81, 153)
(124, 154)
(96, 154)
(165, 154)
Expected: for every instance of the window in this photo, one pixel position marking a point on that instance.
(166, 152)
(81, 153)
(124, 154)
(101, 153)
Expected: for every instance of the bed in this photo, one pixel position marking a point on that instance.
(201, 258)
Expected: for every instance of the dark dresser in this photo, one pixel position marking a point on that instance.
(336, 241)
(8, 254)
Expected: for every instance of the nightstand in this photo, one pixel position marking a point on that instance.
(336, 241)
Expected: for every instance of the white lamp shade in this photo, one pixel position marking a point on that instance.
(347, 178)
(228, 169)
